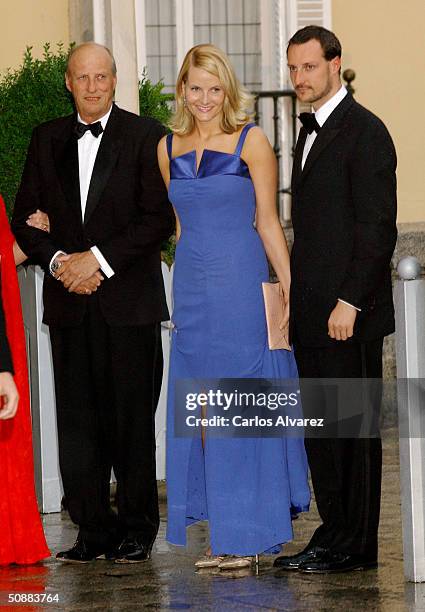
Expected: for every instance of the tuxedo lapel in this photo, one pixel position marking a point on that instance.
(298, 156)
(105, 162)
(65, 153)
(323, 139)
(327, 133)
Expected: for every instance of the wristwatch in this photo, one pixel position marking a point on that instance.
(54, 266)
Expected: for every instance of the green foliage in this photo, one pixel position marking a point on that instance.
(168, 251)
(33, 93)
(152, 102)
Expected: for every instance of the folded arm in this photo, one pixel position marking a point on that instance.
(33, 240)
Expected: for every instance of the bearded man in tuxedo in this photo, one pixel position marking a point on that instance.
(95, 174)
(344, 220)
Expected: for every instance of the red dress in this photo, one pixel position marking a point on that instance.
(21, 534)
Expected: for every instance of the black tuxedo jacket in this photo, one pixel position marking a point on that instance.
(344, 219)
(127, 216)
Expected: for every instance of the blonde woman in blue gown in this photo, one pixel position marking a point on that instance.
(221, 175)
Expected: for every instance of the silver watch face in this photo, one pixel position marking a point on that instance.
(55, 266)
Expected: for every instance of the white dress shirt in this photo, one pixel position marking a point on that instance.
(322, 115)
(88, 146)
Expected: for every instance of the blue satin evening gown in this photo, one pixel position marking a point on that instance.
(244, 487)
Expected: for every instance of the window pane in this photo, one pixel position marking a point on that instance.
(166, 12)
(153, 69)
(201, 13)
(234, 11)
(251, 11)
(252, 68)
(218, 12)
(167, 40)
(238, 65)
(252, 38)
(151, 11)
(152, 40)
(218, 36)
(168, 71)
(236, 39)
(201, 34)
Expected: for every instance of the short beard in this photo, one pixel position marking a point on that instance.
(319, 96)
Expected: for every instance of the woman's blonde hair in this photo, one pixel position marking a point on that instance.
(238, 102)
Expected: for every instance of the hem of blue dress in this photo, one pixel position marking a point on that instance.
(299, 509)
(271, 549)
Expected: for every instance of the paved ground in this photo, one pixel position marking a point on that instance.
(169, 581)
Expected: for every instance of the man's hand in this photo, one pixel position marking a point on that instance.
(76, 269)
(9, 396)
(341, 322)
(90, 285)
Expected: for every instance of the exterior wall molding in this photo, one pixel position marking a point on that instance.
(99, 22)
(124, 48)
(271, 52)
(184, 29)
(140, 17)
(80, 21)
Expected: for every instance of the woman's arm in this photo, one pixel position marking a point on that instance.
(18, 255)
(38, 219)
(262, 164)
(164, 166)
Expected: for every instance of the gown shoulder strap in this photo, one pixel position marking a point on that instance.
(242, 137)
(169, 140)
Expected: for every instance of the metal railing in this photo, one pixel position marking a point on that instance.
(278, 117)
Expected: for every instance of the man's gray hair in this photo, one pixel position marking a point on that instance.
(91, 44)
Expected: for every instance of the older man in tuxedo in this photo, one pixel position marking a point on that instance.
(344, 219)
(95, 174)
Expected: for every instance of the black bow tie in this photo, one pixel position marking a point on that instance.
(81, 128)
(309, 121)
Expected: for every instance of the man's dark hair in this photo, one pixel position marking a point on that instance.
(328, 41)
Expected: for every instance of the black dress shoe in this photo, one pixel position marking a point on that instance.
(333, 562)
(132, 550)
(294, 561)
(83, 552)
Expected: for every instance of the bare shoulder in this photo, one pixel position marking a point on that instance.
(162, 145)
(163, 161)
(256, 145)
(162, 151)
(256, 136)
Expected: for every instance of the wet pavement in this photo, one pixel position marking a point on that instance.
(170, 582)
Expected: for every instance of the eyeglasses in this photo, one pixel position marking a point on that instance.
(303, 68)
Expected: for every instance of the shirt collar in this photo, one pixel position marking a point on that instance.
(324, 111)
(103, 120)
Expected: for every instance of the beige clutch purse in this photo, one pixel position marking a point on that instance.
(274, 304)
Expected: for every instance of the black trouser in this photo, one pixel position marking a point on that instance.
(346, 472)
(108, 381)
